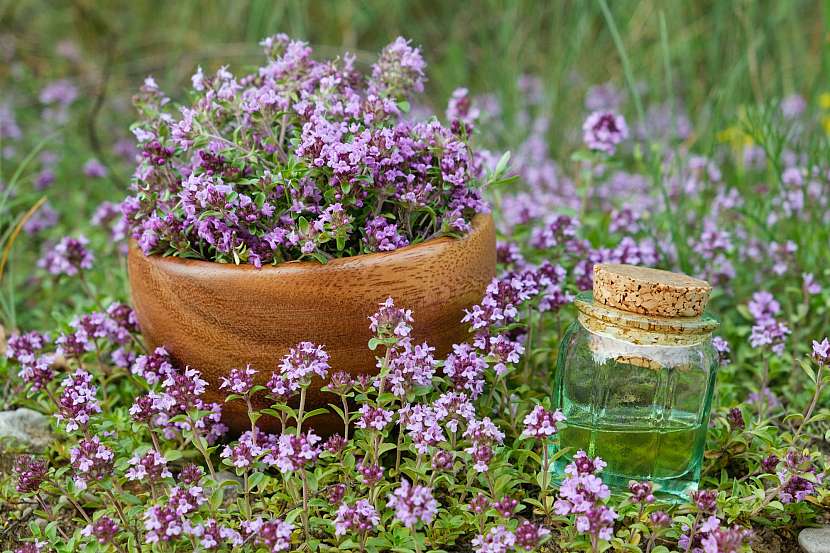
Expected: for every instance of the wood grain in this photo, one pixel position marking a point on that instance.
(215, 317)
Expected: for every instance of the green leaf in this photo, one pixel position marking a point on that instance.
(807, 367)
(255, 479)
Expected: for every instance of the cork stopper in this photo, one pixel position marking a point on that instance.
(649, 291)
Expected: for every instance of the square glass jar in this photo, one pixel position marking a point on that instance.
(636, 390)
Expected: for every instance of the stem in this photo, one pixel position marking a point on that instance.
(415, 539)
(650, 544)
(305, 504)
(300, 410)
(398, 451)
(692, 532)
(816, 395)
(251, 418)
(345, 418)
(247, 493)
(50, 514)
(72, 500)
(118, 509)
(153, 437)
(545, 466)
(197, 441)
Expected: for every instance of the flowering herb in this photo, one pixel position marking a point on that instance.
(301, 159)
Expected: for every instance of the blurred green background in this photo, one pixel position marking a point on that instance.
(721, 54)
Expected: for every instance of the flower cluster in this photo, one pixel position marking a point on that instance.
(301, 159)
(583, 494)
(413, 504)
(767, 330)
(69, 257)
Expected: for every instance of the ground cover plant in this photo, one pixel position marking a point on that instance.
(442, 453)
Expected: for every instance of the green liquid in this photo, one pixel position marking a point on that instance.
(668, 452)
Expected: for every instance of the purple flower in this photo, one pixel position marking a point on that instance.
(182, 390)
(275, 534)
(390, 321)
(501, 350)
(36, 546)
(763, 305)
(373, 417)
(465, 368)
(461, 110)
(769, 332)
(359, 518)
(706, 500)
(541, 423)
(38, 374)
(58, 92)
(31, 471)
(91, 460)
(603, 130)
(604, 96)
(793, 105)
(505, 506)
(240, 381)
(191, 474)
(582, 489)
(298, 367)
(529, 536)
(809, 284)
(44, 218)
(24, 348)
(104, 530)
(798, 478)
(151, 466)
(659, 519)
(707, 536)
(597, 521)
(95, 169)
(725, 540)
(383, 235)
(67, 257)
(736, 419)
(371, 473)
(641, 492)
(423, 425)
(413, 504)
(77, 401)
(722, 347)
(484, 435)
(242, 454)
(498, 540)
(821, 352)
(211, 535)
(443, 461)
(765, 397)
(334, 444)
(399, 71)
(410, 366)
(336, 493)
(162, 524)
(294, 452)
(479, 504)
(770, 463)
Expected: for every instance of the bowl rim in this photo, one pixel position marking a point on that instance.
(481, 222)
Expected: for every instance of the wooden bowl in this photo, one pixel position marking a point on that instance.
(215, 316)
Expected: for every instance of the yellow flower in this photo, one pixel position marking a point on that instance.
(824, 100)
(735, 137)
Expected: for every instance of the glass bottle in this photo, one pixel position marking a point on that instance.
(635, 378)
